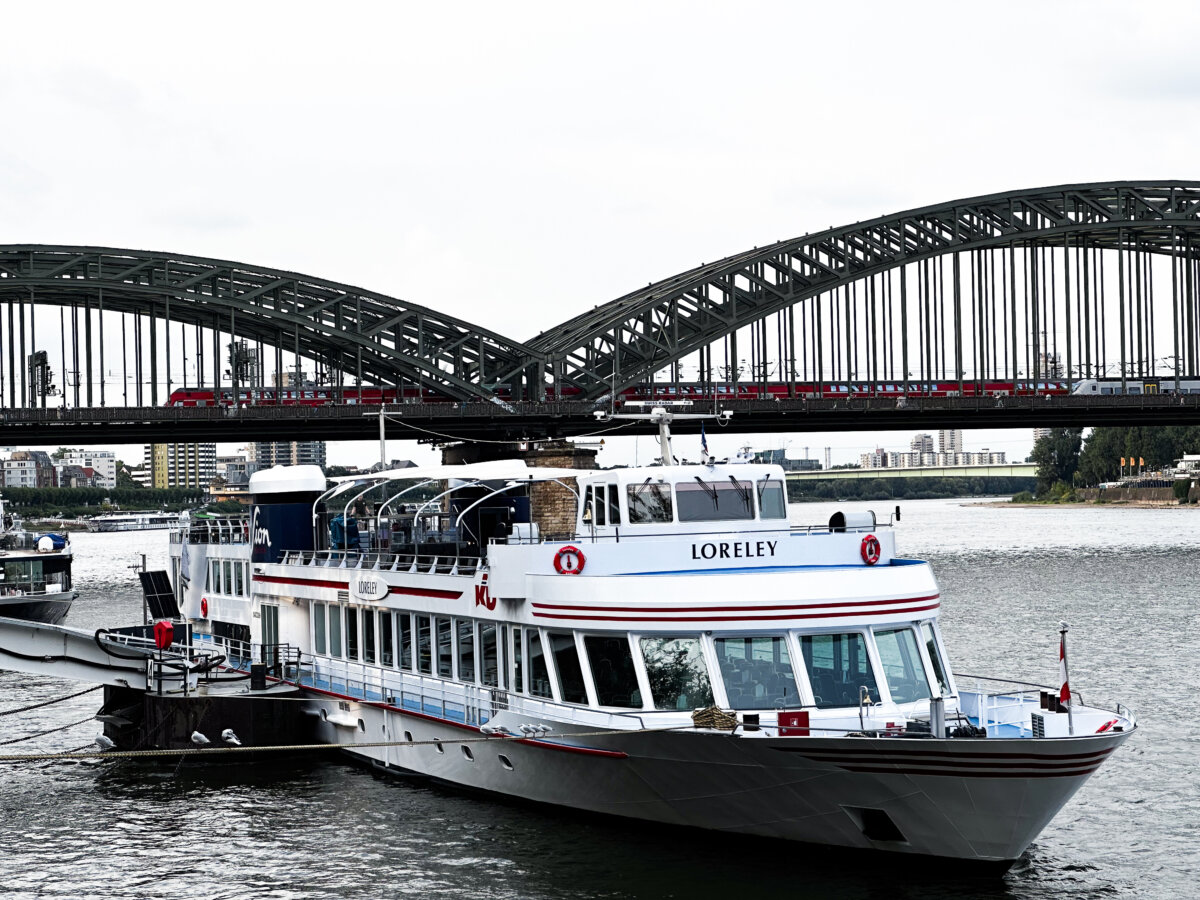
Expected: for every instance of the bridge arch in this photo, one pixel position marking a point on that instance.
(1024, 284)
(353, 335)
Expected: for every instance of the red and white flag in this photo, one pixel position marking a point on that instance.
(1064, 692)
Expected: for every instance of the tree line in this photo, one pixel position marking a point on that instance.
(75, 502)
(916, 488)
(1066, 460)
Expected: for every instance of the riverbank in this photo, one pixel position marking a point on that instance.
(1088, 504)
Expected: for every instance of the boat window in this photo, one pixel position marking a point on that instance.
(713, 501)
(335, 631)
(772, 504)
(216, 576)
(368, 622)
(386, 635)
(599, 504)
(902, 665)
(351, 633)
(614, 505)
(612, 671)
(587, 505)
(566, 661)
(466, 650)
(424, 646)
(939, 670)
(405, 630)
(539, 674)
(517, 656)
(228, 577)
(757, 672)
(677, 672)
(838, 666)
(489, 660)
(239, 576)
(208, 579)
(445, 648)
(649, 502)
(319, 628)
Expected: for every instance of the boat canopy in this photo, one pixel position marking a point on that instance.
(492, 470)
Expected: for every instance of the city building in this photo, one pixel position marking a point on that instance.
(779, 457)
(181, 465)
(921, 443)
(950, 440)
(77, 476)
(103, 461)
(265, 454)
(29, 468)
(1039, 433)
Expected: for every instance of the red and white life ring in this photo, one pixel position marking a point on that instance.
(870, 549)
(204, 607)
(569, 561)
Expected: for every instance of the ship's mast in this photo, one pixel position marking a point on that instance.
(662, 416)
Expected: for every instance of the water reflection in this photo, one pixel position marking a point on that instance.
(1124, 579)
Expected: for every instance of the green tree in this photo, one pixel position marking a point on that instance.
(1057, 458)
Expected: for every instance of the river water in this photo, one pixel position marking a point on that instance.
(1124, 579)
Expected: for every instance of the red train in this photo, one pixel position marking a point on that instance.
(373, 396)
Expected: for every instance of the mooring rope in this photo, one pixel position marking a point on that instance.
(30, 737)
(11, 712)
(216, 751)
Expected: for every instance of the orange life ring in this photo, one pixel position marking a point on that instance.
(563, 558)
(870, 549)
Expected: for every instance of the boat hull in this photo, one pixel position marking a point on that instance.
(49, 609)
(981, 800)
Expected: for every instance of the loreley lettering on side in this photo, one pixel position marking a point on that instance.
(733, 549)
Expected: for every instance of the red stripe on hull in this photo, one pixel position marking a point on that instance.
(303, 582)
(701, 609)
(426, 592)
(345, 586)
(882, 612)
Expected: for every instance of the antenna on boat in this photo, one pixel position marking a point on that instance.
(661, 415)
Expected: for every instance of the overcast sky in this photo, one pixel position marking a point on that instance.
(517, 163)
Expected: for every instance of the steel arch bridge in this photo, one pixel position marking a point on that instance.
(894, 308)
(1075, 281)
(348, 331)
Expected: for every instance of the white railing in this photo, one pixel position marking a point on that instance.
(415, 563)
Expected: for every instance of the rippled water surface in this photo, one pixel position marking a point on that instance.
(1124, 580)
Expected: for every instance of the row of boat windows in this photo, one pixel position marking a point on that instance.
(755, 671)
(228, 576)
(687, 501)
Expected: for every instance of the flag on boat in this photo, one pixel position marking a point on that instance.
(1122, 462)
(1064, 692)
(1141, 462)
(703, 440)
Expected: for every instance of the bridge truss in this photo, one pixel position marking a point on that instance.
(1021, 288)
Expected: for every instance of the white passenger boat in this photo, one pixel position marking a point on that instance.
(35, 573)
(134, 521)
(680, 654)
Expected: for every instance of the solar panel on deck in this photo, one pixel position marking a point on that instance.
(160, 596)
